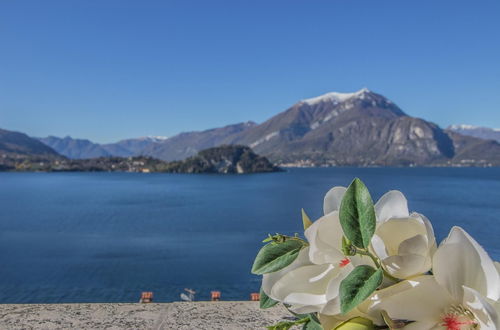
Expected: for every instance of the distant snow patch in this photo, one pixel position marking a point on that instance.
(463, 126)
(314, 125)
(264, 139)
(155, 138)
(336, 97)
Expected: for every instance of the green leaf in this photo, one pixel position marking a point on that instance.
(275, 256)
(357, 323)
(265, 301)
(284, 325)
(357, 214)
(312, 324)
(306, 221)
(358, 286)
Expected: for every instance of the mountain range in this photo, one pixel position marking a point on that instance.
(335, 129)
(477, 131)
(83, 148)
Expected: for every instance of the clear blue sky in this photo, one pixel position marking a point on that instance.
(112, 69)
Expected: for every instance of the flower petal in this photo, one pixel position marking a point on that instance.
(396, 230)
(325, 239)
(305, 285)
(359, 260)
(333, 198)
(307, 299)
(332, 307)
(268, 280)
(330, 322)
(378, 246)
(414, 245)
(420, 299)
(407, 266)
(305, 309)
(427, 324)
(392, 204)
(430, 231)
(485, 314)
(461, 261)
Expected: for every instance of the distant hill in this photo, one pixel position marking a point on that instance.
(75, 148)
(20, 144)
(223, 159)
(133, 147)
(188, 144)
(17, 148)
(477, 131)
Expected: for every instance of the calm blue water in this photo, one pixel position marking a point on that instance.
(105, 237)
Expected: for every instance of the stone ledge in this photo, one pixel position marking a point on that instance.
(177, 315)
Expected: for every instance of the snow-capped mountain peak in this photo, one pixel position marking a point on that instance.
(336, 97)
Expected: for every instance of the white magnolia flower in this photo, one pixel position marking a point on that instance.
(311, 283)
(404, 242)
(462, 294)
(308, 287)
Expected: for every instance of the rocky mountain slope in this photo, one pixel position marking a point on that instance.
(477, 131)
(361, 129)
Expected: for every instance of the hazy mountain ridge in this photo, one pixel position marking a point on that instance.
(477, 131)
(178, 147)
(84, 149)
(75, 148)
(132, 147)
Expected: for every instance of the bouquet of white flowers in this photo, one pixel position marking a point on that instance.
(364, 266)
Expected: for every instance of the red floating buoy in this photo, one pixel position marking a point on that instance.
(215, 295)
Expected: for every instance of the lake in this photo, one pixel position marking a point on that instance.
(105, 237)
